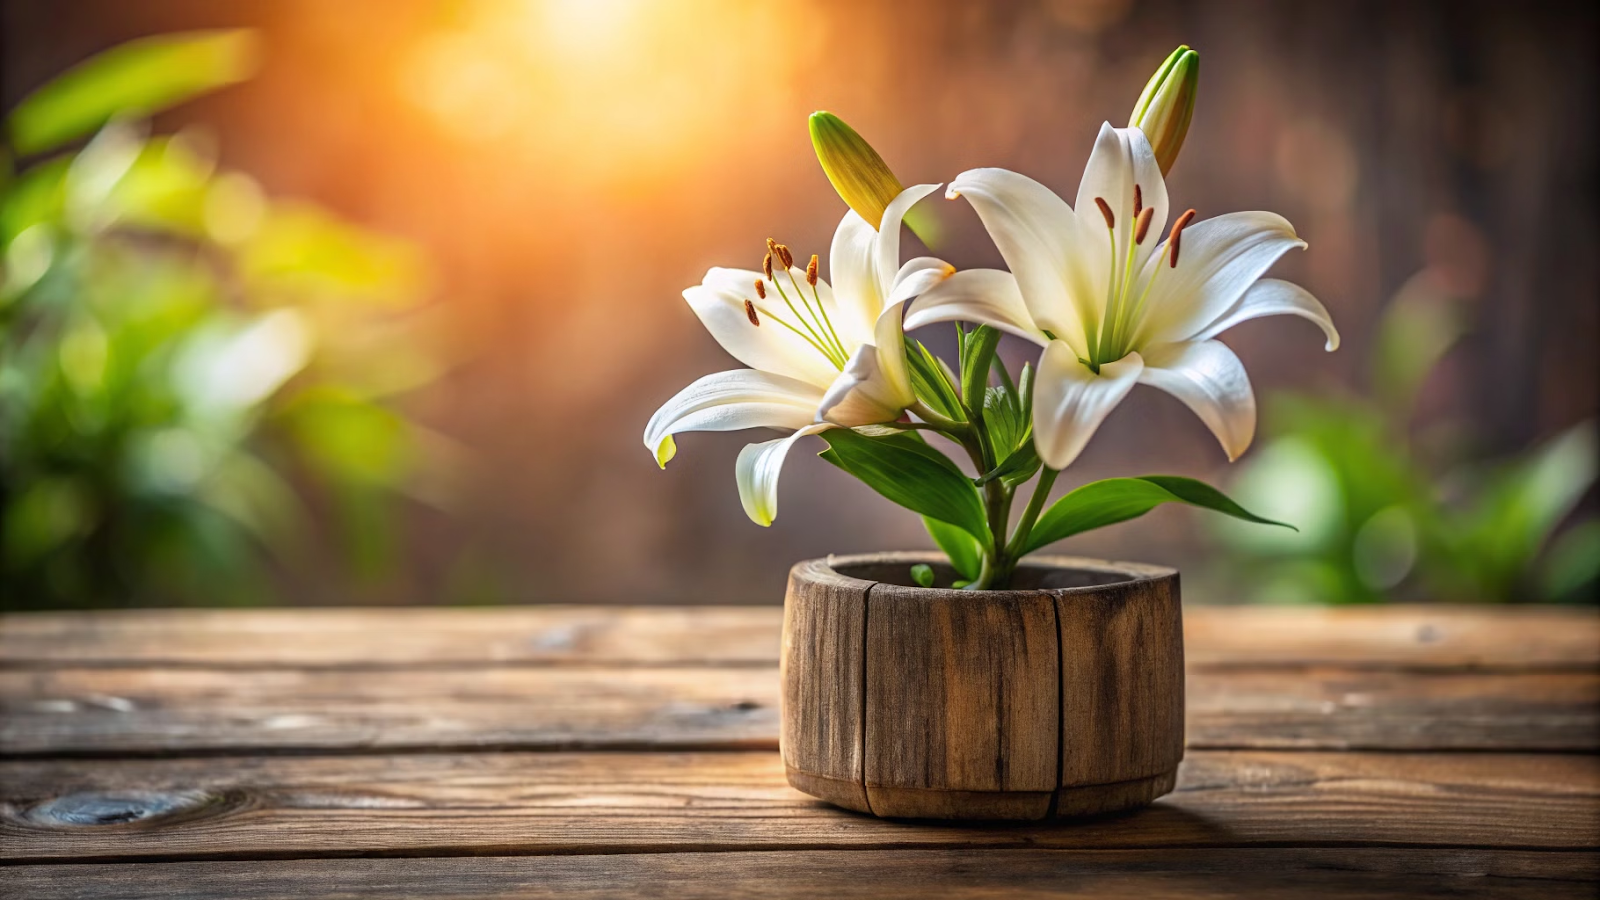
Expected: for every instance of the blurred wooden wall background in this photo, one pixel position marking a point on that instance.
(569, 196)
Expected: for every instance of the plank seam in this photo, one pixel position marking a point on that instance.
(488, 850)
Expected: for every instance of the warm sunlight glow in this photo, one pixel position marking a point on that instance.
(607, 90)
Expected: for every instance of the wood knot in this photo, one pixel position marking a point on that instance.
(96, 809)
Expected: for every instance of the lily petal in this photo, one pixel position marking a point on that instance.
(866, 392)
(1121, 159)
(1272, 297)
(917, 276)
(863, 261)
(719, 303)
(887, 246)
(1218, 261)
(1070, 400)
(1040, 238)
(985, 296)
(729, 401)
(891, 346)
(757, 473)
(1210, 380)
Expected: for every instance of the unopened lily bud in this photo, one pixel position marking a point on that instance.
(1167, 104)
(858, 173)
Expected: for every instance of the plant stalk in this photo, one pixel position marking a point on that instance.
(1030, 516)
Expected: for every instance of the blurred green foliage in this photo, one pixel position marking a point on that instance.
(186, 365)
(1383, 516)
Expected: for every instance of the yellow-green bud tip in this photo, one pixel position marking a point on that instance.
(1167, 104)
(856, 170)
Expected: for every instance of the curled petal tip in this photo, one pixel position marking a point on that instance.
(665, 451)
(952, 193)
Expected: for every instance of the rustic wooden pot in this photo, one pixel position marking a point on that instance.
(1061, 697)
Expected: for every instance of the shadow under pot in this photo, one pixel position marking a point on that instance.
(1060, 697)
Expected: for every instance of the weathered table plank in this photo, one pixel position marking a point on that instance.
(623, 798)
(1372, 874)
(1367, 637)
(526, 803)
(406, 637)
(173, 710)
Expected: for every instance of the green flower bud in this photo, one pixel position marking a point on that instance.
(858, 173)
(1167, 104)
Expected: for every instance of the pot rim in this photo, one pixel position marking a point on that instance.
(825, 569)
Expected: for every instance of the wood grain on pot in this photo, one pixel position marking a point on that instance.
(824, 628)
(1064, 696)
(1121, 681)
(962, 701)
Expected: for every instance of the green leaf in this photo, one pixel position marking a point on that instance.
(1417, 329)
(977, 351)
(999, 367)
(932, 382)
(1573, 562)
(910, 473)
(1016, 468)
(1524, 502)
(1102, 503)
(922, 574)
(1002, 416)
(1025, 392)
(134, 80)
(959, 546)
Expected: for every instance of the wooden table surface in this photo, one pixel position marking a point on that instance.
(566, 751)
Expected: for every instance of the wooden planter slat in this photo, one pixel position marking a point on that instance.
(1064, 697)
(961, 704)
(1122, 683)
(822, 660)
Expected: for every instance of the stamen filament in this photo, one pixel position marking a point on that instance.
(1096, 343)
(1115, 317)
(817, 295)
(818, 314)
(772, 317)
(816, 339)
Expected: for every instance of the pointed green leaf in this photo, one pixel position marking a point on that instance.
(1002, 417)
(959, 546)
(906, 470)
(932, 382)
(976, 354)
(1025, 392)
(1102, 503)
(1016, 468)
(133, 79)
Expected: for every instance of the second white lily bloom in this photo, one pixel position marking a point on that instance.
(1110, 303)
(820, 356)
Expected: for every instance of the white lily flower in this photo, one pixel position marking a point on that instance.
(1111, 305)
(821, 356)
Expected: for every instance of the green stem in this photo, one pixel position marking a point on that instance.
(1030, 514)
(997, 505)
